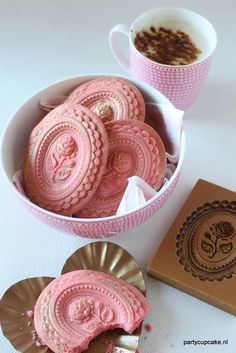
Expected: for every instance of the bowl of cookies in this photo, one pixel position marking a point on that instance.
(94, 155)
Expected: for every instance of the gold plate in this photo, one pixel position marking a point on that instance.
(106, 257)
(100, 256)
(16, 325)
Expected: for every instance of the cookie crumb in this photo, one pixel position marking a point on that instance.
(110, 347)
(148, 327)
(30, 314)
(38, 342)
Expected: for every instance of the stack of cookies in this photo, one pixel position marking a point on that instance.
(80, 155)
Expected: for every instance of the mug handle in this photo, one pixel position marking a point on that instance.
(115, 49)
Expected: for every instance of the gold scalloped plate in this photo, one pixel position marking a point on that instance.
(106, 257)
(22, 296)
(16, 325)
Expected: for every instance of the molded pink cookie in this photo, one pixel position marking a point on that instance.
(65, 159)
(110, 98)
(134, 148)
(78, 306)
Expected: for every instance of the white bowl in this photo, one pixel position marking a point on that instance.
(14, 141)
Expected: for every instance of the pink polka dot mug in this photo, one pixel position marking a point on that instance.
(181, 83)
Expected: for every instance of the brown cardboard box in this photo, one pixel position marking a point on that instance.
(198, 254)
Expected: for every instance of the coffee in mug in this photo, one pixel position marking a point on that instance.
(155, 39)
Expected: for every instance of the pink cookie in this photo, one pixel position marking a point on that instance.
(134, 149)
(110, 98)
(78, 306)
(65, 159)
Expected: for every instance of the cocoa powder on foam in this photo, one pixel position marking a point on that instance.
(166, 46)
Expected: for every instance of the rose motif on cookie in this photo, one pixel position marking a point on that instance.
(103, 110)
(81, 310)
(65, 151)
(101, 315)
(122, 162)
(84, 310)
(66, 147)
(118, 169)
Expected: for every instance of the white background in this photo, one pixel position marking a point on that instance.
(48, 40)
